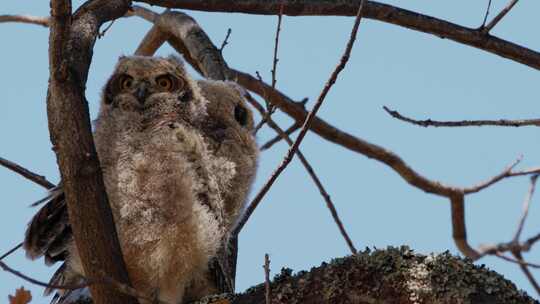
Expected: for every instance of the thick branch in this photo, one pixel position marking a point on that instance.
(373, 10)
(70, 52)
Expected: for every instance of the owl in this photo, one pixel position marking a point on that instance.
(178, 158)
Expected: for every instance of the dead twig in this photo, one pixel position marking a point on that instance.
(499, 17)
(307, 123)
(526, 204)
(486, 15)
(12, 250)
(329, 204)
(465, 123)
(36, 178)
(526, 271)
(226, 40)
(86, 282)
(278, 138)
(515, 261)
(267, 291)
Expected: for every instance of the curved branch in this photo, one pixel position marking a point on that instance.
(373, 10)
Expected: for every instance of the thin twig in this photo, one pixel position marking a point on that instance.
(19, 274)
(85, 283)
(329, 204)
(526, 205)
(516, 261)
(487, 14)
(465, 123)
(36, 178)
(226, 40)
(307, 123)
(483, 185)
(526, 271)
(278, 138)
(276, 46)
(499, 17)
(43, 21)
(12, 250)
(270, 108)
(267, 291)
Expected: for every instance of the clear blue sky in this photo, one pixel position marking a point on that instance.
(418, 74)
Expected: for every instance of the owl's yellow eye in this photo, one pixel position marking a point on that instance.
(126, 82)
(165, 82)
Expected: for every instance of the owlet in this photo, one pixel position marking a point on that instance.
(178, 158)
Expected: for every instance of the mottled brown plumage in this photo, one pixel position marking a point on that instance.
(178, 158)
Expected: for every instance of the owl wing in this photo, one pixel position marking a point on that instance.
(49, 235)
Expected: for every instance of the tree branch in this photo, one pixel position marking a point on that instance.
(43, 21)
(329, 204)
(373, 10)
(36, 178)
(464, 123)
(499, 17)
(70, 53)
(306, 125)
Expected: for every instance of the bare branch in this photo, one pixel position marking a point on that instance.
(226, 40)
(307, 123)
(86, 282)
(36, 178)
(293, 128)
(526, 204)
(276, 46)
(9, 252)
(486, 15)
(507, 172)
(464, 123)
(499, 17)
(516, 261)
(526, 271)
(267, 292)
(19, 274)
(373, 10)
(43, 21)
(329, 204)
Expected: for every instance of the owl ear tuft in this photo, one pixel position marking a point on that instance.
(178, 63)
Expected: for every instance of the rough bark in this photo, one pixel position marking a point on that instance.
(392, 276)
(373, 10)
(70, 51)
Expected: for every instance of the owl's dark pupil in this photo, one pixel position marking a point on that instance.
(240, 114)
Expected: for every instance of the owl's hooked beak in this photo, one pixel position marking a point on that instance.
(142, 93)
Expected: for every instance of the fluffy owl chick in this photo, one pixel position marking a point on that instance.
(178, 159)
